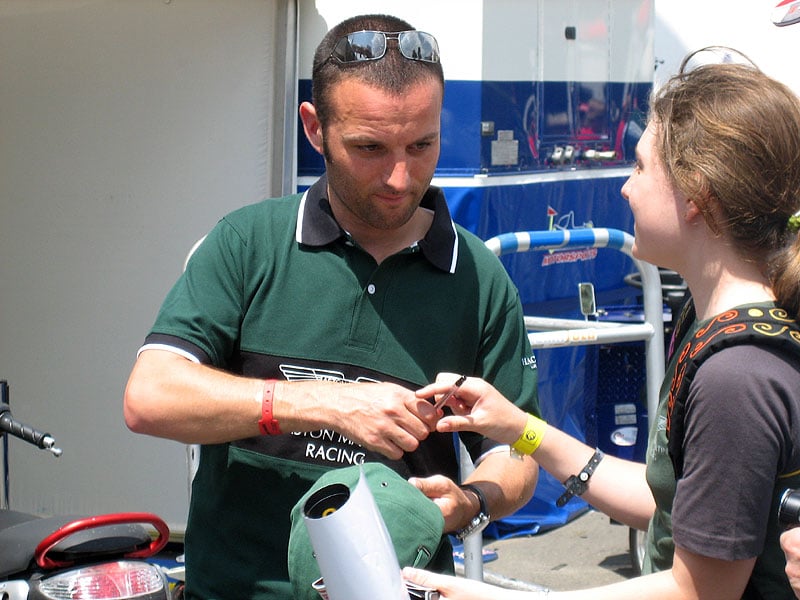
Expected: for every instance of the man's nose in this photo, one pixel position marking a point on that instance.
(398, 172)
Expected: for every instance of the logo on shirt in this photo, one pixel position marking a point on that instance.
(296, 373)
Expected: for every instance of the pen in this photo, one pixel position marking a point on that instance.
(449, 394)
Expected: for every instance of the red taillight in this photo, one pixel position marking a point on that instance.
(108, 581)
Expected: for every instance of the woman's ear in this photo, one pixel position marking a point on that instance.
(311, 125)
(703, 211)
(691, 211)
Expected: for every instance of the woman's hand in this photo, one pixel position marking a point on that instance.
(790, 543)
(477, 406)
(458, 588)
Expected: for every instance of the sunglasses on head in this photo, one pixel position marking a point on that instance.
(371, 45)
(713, 55)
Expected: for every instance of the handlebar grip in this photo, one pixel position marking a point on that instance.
(40, 439)
(22, 431)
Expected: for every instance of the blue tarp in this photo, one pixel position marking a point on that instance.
(547, 283)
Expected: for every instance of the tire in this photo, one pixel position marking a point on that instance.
(637, 543)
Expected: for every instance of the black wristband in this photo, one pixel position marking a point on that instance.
(576, 484)
(479, 521)
(481, 498)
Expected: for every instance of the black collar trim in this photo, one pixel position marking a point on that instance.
(316, 225)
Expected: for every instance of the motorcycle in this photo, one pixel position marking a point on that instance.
(69, 558)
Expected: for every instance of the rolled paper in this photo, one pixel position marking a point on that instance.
(352, 545)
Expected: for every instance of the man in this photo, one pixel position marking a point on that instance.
(345, 299)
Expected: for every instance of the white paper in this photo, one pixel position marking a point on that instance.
(354, 551)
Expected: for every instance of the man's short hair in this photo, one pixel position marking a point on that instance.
(393, 73)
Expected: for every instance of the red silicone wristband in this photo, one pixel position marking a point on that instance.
(268, 425)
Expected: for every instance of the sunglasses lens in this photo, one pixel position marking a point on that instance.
(371, 45)
(418, 45)
(360, 45)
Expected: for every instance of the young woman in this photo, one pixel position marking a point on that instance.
(715, 195)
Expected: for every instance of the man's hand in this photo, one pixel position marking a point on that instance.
(382, 417)
(457, 505)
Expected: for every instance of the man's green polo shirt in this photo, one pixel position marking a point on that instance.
(279, 290)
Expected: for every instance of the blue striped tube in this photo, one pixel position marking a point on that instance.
(524, 241)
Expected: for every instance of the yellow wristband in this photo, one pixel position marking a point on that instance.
(531, 436)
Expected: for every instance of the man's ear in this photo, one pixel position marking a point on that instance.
(311, 125)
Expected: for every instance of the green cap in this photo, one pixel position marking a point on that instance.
(414, 522)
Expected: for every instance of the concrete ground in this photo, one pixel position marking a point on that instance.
(586, 552)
